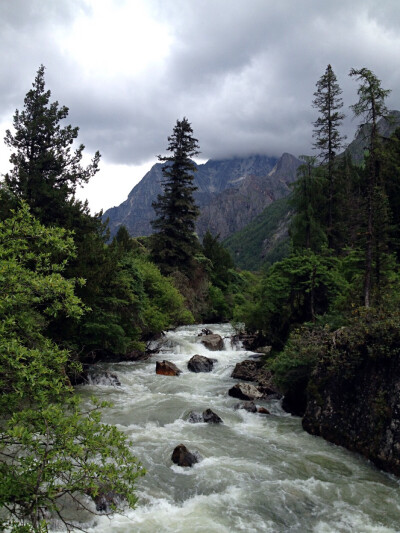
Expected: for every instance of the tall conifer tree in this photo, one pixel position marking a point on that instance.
(371, 106)
(174, 244)
(46, 171)
(328, 139)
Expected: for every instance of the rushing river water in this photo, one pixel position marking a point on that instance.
(258, 473)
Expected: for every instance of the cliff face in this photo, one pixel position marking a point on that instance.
(358, 406)
(230, 194)
(234, 208)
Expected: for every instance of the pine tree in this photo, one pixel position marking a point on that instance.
(46, 171)
(371, 106)
(327, 136)
(175, 244)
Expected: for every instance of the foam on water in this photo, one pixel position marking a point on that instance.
(257, 473)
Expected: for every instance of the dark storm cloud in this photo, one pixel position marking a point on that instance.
(243, 72)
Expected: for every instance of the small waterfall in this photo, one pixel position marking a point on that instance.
(257, 473)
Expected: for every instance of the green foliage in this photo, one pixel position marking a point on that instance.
(220, 310)
(50, 452)
(294, 291)
(113, 324)
(163, 305)
(390, 178)
(307, 229)
(46, 172)
(294, 364)
(221, 261)
(175, 244)
(369, 335)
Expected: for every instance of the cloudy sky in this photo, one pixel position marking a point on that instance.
(242, 71)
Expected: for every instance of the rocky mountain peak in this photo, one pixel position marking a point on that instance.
(230, 193)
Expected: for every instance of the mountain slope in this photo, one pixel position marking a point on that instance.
(234, 208)
(264, 240)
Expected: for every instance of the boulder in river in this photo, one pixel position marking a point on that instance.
(251, 370)
(200, 363)
(213, 342)
(166, 368)
(211, 418)
(245, 391)
(207, 416)
(247, 370)
(247, 406)
(195, 418)
(182, 457)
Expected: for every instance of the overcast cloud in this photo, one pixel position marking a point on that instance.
(242, 71)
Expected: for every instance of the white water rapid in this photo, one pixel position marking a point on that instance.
(258, 473)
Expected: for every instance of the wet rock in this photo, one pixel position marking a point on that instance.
(245, 391)
(166, 368)
(195, 418)
(181, 456)
(213, 342)
(104, 378)
(211, 418)
(207, 416)
(263, 411)
(247, 406)
(251, 370)
(205, 331)
(247, 370)
(200, 363)
(248, 341)
(295, 399)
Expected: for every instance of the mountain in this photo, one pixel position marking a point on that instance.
(231, 192)
(235, 207)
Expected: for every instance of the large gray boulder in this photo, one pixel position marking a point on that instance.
(213, 342)
(252, 370)
(200, 363)
(245, 391)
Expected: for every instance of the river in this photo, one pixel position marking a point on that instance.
(257, 473)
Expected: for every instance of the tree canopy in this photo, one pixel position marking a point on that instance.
(46, 169)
